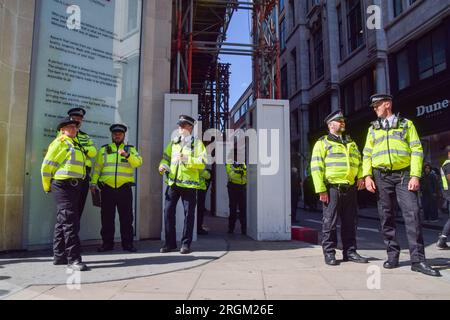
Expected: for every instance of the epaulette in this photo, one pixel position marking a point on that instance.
(129, 146)
(376, 124)
(104, 146)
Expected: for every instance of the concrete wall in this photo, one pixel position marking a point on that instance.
(155, 82)
(16, 34)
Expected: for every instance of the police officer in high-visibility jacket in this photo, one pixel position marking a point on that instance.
(63, 171)
(337, 175)
(114, 175)
(445, 176)
(183, 161)
(87, 145)
(237, 182)
(392, 165)
(205, 180)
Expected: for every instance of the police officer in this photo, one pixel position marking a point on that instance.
(89, 150)
(63, 171)
(392, 165)
(205, 180)
(114, 175)
(237, 182)
(183, 161)
(335, 167)
(445, 176)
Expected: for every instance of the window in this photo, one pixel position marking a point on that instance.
(403, 69)
(236, 116)
(341, 33)
(401, 5)
(284, 83)
(431, 53)
(356, 93)
(318, 112)
(292, 13)
(283, 34)
(318, 53)
(355, 25)
(294, 68)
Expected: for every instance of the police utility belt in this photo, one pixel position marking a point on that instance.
(389, 171)
(341, 187)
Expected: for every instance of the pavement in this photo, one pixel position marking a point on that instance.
(230, 267)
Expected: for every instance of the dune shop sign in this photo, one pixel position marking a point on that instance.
(433, 109)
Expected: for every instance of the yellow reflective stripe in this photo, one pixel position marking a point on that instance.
(336, 164)
(109, 164)
(190, 182)
(336, 155)
(119, 174)
(399, 152)
(45, 174)
(313, 169)
(51, 163)
(316, 159)
(69, 174)
(417, 154)
(381, 139)
(414, 143)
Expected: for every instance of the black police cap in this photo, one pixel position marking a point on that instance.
(67, 121)
(186, 120)
(335, 115)
(118, 128)
(77, 112)
(379, 97)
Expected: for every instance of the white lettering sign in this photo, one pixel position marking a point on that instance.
(74, 20)
(422, 110)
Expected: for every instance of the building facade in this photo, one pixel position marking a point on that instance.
(331, 59)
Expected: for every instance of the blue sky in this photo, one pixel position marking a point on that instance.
(241, 66)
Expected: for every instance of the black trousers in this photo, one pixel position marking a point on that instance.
(342, 205)
(84, 190)
(237, 199)
(189, 198)
(391, 186)
(122, 199)
(429, 205)
(446, 229)
(66, 243)
(201, 199)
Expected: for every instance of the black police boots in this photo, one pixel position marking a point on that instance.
(185, 249)
(354, 257)
(424, 268)
(442, 243)
(105, 248)
(390, 264)
(330, 259)
(167, 249)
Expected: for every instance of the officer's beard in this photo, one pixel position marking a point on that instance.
(118, 142)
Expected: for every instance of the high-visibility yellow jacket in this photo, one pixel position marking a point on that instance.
(87, 145)
(185, 174)
(205, 178)
(334, 162)
(237, 174)
(443, 176)
(64, 160)
(113, 169)
(394, 149)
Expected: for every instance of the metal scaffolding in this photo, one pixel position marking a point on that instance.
(199, 36)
